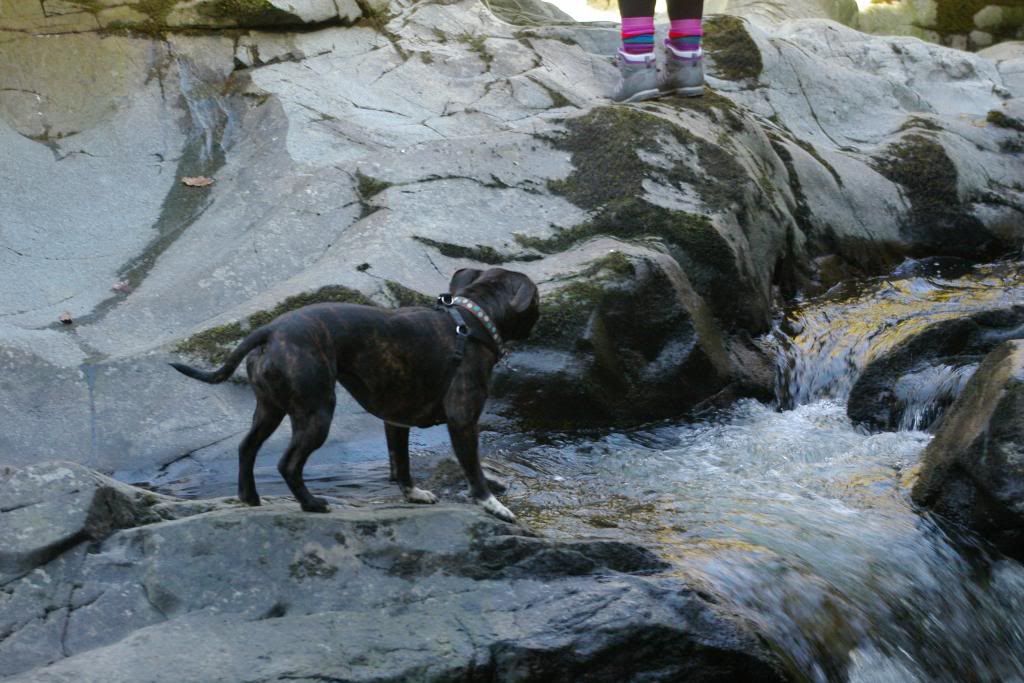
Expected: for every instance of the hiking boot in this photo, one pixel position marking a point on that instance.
(684, 74)
(639, 78)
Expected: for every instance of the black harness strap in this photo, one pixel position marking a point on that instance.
(462, 333)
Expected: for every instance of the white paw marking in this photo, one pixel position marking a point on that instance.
(417, 495)
(497, 509)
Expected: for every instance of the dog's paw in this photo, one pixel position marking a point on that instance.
(418, 495)
(315, 504)
(493, 506)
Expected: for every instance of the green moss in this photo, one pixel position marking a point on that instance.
(938, 220)
(715, 106)
(564, 312)
(920, 123)
(608, 180)
(369, 187)
(735, 54)
(480, 253)
(478, 44)
(245, 12)
(404, 296)
(998, 118)
(957, 16)
(216, 343)
(374, 16)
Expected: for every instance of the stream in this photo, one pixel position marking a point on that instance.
(788, 514)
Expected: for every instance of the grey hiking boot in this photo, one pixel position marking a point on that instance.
(684, 75)
(639, 78)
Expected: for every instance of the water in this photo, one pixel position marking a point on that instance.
(796, 519)
(802, 523)
(826, 342)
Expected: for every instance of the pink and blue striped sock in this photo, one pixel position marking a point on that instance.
(684, 37)
(637, 36)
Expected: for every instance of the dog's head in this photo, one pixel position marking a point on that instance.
(510, 298)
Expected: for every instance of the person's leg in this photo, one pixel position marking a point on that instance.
(637, 26)
(684, 33)
(637, 64)
(684, 63)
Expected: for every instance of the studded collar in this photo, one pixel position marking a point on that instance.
(478, 313)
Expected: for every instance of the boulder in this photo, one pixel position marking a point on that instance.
(972, 472)
(370, 161)
(626, 339)
(911, 385)
(224, 592)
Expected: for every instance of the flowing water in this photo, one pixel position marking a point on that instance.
(802, 521)
(794, 518)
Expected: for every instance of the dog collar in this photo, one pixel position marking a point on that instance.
(478, 313)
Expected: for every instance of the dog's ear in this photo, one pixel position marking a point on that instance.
(462, 278)
(526, 293)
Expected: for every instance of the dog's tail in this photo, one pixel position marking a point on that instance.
(256, 338)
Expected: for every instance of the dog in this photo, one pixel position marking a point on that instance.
(411, 367)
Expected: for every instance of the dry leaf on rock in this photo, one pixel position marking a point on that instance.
(197, 181)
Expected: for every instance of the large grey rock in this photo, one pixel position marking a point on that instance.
(973, 471)
(49, 508)
(383, 156)
(386, 593)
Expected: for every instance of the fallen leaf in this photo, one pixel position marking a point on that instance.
(123, 286)
(65, 317)
(197, 181)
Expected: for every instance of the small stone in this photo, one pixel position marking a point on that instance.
(65, 318)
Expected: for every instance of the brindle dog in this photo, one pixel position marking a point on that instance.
(398, 364)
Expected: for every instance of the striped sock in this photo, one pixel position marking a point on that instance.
(637, 36)
(684, 37)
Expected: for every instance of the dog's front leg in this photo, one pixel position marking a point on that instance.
(465, 441)
(398, 453)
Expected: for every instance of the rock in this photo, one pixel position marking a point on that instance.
(911, 386)
(78, 16)
(50, 508)
(378, 158)
(951, 22)
(973, 471)
(234, 593)
(626, 339)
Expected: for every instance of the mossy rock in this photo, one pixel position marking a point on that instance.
(608, 181)
(216, 343)
(939, 223)
(250, 13)
(615, 345)
(734, 54)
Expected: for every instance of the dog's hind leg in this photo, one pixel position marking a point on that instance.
(309, 431)
(398, 453)
(264, 421)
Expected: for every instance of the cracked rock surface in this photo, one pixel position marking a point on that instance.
(156, 589)
(376, 156)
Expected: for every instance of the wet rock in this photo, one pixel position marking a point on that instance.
(973, 471)
(263, 594)
(624, 340)
(912, 385)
